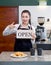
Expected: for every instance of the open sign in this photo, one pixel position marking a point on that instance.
(24, 34)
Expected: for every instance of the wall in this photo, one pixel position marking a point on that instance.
(21, 2)
(7, 16)
(18, 2)
(37, 11)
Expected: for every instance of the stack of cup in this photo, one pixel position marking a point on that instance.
(32, 51)
(39, 51)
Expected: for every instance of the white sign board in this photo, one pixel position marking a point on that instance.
(24, 34)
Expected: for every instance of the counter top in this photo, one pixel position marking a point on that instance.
(46, 56)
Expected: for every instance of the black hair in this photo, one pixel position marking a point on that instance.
(26, 11)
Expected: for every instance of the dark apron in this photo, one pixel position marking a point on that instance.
(23, 44)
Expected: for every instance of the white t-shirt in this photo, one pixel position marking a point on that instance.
(8, 31)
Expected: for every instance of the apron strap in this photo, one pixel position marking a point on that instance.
(29, 27)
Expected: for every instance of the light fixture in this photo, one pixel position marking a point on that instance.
(42, 2)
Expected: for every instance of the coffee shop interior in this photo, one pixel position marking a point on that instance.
(40, 10)
(11, 13)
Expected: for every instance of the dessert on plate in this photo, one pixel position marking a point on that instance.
(19, 54)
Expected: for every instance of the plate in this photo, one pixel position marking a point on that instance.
(13, 55)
